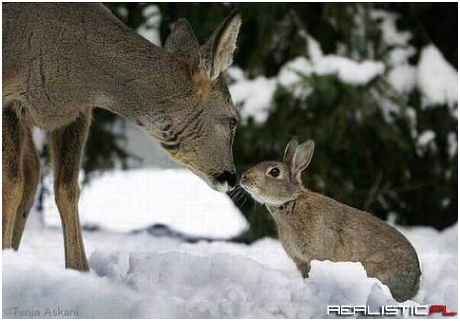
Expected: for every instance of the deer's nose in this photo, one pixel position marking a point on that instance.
(226, 176)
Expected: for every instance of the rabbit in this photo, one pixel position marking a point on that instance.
(312, 226)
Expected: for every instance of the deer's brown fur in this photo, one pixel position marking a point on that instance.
(62, 60)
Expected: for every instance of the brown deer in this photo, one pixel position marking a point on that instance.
(62, 60)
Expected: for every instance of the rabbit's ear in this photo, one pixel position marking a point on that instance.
(290, 151)
(302, 157)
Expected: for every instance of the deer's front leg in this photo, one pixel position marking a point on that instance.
(66, 148)
(30, 178)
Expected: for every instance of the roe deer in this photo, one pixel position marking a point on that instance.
(61, 60)
(312, 226)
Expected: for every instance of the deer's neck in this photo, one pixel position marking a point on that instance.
(108, 64)
(136, 76)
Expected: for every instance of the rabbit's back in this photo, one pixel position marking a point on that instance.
(320, 228)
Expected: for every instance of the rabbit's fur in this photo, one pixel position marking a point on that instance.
(312, 226)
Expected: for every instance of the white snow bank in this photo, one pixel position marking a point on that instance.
(437, 79)
(157, 277)
(45, 287)
(129, 200)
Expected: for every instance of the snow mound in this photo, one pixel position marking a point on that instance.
(124, 201)
(140, 276)
(43, 285)
(180, 285)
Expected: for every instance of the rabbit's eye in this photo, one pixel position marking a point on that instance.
(274, 172)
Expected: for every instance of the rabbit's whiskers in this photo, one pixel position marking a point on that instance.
(238, 196)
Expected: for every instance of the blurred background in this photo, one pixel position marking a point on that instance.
(374, 85)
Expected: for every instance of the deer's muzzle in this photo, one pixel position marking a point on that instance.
(226, 177)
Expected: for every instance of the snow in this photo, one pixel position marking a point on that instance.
(452, 144)
(122, 12)
(314, 48)
(150, 30)
(388, 107)
(293, 76)
(141, 276)
(235, 73)
(424, 140)
(426, 137)
(400, 55)
(124, 201)
(437, 79)
(403, 78)
(254, 96)
(434, 77)
(347, 70)
(411, 115)
(390, 33)
(294, 71)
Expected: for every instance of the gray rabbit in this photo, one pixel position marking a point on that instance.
(312, 226)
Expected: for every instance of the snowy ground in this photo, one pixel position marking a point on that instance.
(124, 201)
(142, 276)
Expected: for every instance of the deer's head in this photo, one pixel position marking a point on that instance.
(198, 131)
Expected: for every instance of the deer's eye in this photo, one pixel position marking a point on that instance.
(274, 172)
(233, 123)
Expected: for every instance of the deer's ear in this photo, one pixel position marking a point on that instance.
(182, 40)
(290, 151)
(216, 55)
(302, 157)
